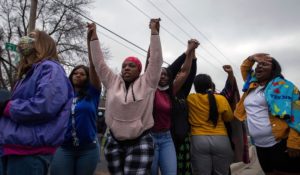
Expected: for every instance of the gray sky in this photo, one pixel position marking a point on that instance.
(238, 28)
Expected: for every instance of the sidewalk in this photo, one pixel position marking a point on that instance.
(253, 168)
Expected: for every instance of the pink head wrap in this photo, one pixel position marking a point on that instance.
(136, 61)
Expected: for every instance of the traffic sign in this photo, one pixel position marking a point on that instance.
(11, 47)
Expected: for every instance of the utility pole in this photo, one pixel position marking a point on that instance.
(32, 16)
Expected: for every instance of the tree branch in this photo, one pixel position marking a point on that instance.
(58, 22)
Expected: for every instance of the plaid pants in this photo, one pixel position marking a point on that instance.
(132, 157)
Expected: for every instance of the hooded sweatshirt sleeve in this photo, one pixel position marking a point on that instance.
(152, 73)
(105, 74)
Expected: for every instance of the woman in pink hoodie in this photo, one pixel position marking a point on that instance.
(129, 106)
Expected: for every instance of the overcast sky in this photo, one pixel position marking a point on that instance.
(238, 28)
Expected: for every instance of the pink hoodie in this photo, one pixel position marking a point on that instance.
(129, 112)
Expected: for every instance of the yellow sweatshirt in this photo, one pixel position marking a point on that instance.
(199, 113)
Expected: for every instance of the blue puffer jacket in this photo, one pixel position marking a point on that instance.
(39, 108)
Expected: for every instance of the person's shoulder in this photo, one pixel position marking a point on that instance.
(196, 97)
(192, 95)
(47, 63)
(51, 64)
(288, 82)
(49, 67)
(220, 97)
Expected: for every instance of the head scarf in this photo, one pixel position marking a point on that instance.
(136, 61)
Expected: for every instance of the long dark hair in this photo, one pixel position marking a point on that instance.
(204, 85)
(83, 91)
(276, 69)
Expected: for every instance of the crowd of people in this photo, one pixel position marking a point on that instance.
(48, 122)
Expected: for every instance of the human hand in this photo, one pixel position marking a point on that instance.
(228, 69)
(293, 152)
(259, 57)
(192, 45)
(154, 25)
(91, 33)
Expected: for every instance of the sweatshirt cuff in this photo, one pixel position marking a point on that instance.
(6, 112)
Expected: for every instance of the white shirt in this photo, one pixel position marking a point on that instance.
(258, 121)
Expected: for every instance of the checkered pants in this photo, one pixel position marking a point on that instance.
(129, 158)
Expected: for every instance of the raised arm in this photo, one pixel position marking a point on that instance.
(229, 87)
(147, 60)
(186, 67)
(230, 91)
(103, 71)
(187, 85)
(247, 64)
(94, 79)
(175, 67)
(152, 73)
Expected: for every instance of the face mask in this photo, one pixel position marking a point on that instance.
(26, 45)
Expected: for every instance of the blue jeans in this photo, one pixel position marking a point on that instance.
(28, 165)
(164, 154)
(75, 160)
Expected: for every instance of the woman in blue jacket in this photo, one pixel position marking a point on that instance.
(35, 119)
(79, 153)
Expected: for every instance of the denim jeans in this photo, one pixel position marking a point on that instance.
(27, 165)
(75, 160)
(164, 154)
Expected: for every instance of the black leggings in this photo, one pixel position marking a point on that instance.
(277, 158)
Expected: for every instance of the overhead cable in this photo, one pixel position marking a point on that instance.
(176, 9)
(201, 45)
(174, 36)
(84, 16)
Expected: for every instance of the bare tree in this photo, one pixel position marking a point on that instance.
(58, 20)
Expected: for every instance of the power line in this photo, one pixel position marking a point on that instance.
(176, 9)
(84, 16)
(181, 14)
(101, 26)
(171, 33)
(174, 36)
(209, 53)
(121, 43)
